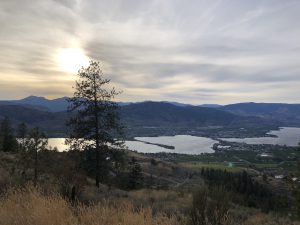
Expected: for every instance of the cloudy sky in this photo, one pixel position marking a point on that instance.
(193, 51)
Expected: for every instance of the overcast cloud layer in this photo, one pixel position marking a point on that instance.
(192, 51)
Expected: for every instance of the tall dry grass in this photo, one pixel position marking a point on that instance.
(31, 207)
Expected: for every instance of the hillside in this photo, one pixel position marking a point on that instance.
(173, 113)
(52, 122)
(161, 114)
(285, 114)
(146, 114)
(55, 105)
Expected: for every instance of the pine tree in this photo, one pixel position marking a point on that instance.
(21, 134)
(36, 142)
(135, 177)
(8, 142)
(95, 123)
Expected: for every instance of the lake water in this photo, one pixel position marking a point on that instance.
(183, 144)
(289, 136)
(187, 144)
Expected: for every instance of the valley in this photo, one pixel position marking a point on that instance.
(179, 149)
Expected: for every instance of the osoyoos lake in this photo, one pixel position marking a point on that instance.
(289, 136)
(187, 144)
(182, 144)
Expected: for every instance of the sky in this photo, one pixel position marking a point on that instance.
(191, 51)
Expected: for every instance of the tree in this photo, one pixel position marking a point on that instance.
(296, 189)
(135, 176)
(210, 207)
(95, 123)
(21, 134)
(8, 141)
(37, 141)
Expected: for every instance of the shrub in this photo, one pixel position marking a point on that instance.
(209, 211)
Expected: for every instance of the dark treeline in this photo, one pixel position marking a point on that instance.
(8, 143)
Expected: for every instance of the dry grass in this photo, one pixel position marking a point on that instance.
(162, 201)
(30, 207)
(251, 216)
(166, 201)
(268, 220)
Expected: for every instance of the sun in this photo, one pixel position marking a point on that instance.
(71, 59)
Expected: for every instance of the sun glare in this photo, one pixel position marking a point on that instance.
(71, 59)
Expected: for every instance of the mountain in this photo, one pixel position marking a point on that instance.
(215, 106)
(61, 104)
(55, 105)
(136, 114)
(51, 114)
(38, 107)
(203, 105)
(177, 103)
(51, 122)
(285, 114)
(41, 103)
(161, 113)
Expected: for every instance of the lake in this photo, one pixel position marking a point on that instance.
(183, 144)
(188, 144)
(289, 136)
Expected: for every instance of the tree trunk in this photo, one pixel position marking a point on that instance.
(97, 166)
(35, 167)
(97, 134)
(73, 194)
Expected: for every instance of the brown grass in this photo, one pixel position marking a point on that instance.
(268, 220)
(30, 207)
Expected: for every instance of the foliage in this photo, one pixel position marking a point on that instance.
(135, 176)
(213, 210)
(34, 143)
(8, 142)
(22, 132)
(246, 190)
(95, 123)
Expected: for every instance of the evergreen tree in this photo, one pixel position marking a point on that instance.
(135, 177)
(8, 142)
(21, 134)
(296, 189)
(95, 122)
(36, 141)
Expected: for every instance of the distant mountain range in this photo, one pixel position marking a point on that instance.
(61, 104)
(55, 105)
(51, 114)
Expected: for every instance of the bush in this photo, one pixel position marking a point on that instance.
(210, 211)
